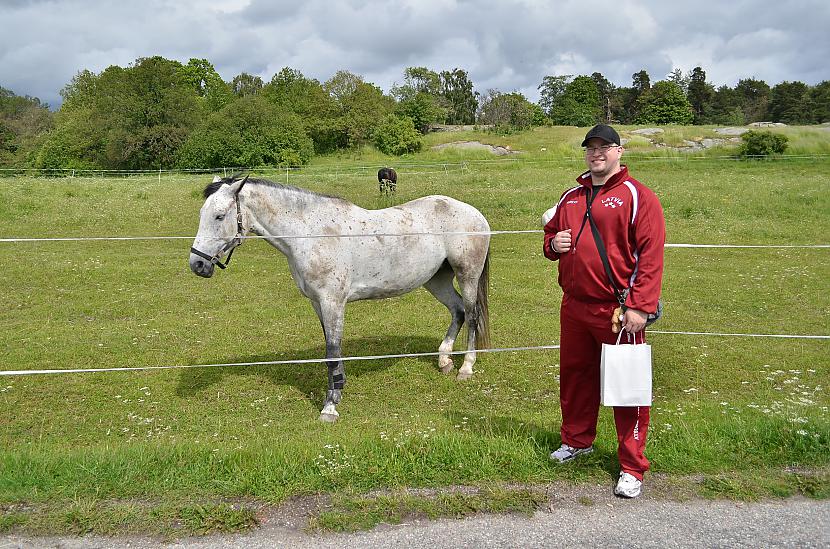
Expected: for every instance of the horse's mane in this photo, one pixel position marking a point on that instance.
(216, 185)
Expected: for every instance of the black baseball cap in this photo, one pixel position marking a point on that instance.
(606, 133)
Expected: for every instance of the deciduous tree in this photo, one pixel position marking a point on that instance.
(664, 103)
(396, 135)
(245, 84)
(124, 118)
(551, 89)
(579, 105)
(23, 123)
(363, 111)
(248, 132)
(305, 97)
(509, 111)
(460, 99)
(420, 99)
(201, 74)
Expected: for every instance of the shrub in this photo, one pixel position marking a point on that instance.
(247, 132)
(757, 144)
(64, 148)
(397, 135)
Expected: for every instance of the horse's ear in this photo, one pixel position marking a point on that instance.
(216, 179)
(236, 187)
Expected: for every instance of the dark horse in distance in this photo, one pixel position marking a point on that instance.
(387, 181)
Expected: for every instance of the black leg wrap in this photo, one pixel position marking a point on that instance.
(337, 377)
(334, 396)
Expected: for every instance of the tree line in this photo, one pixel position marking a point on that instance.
(162, 114)
(681, 99)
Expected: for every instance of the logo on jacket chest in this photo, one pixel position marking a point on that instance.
(612, 202)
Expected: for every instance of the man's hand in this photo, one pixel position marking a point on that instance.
(634, 320)
(561, 242)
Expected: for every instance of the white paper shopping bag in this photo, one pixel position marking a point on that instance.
(625, 374)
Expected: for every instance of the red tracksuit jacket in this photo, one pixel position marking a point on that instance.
(630, 220)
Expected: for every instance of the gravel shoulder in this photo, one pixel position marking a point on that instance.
(584, 515)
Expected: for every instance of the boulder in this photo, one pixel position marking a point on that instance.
(731, 131)
(647, 131)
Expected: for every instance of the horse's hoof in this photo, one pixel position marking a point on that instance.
(463, 376)
(447, 369)
(329, 418)
(329, 413)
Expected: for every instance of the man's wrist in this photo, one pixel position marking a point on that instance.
(553, 246)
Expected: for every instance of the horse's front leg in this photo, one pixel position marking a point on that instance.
(331, 317)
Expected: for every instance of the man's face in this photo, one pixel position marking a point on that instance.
(602, 158)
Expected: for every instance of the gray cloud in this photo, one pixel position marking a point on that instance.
(507, 45)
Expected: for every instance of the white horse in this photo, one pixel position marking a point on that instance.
(338, 252)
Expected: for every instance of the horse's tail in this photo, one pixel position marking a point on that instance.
(483, 311)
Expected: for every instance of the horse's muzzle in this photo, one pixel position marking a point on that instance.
(201, 266)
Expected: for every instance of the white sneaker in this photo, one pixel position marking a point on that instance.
(628, 486)
(567, 453)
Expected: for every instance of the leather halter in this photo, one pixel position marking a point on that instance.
(228, 248)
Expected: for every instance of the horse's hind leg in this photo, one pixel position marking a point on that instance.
(468, 292)
(440, 285)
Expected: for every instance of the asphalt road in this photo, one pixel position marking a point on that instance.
(607, 522)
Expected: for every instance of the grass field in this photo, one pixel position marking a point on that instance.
(198, 449)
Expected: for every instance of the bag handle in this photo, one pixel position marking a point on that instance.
(629, 337)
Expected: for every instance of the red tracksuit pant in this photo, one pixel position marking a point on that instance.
(584, 328)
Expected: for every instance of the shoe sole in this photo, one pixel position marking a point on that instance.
(573, 456)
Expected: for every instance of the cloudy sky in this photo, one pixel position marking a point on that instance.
(509, 45)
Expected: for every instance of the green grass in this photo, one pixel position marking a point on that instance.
(347, 513)
(166, 451)
(83, 516)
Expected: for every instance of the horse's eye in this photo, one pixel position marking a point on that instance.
(220, 217)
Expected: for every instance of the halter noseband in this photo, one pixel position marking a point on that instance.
(230, 246)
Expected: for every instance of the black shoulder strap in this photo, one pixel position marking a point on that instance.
(601, 249)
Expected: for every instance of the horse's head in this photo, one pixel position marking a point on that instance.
(220, 226)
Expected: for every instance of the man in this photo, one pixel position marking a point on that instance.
(630, 221)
